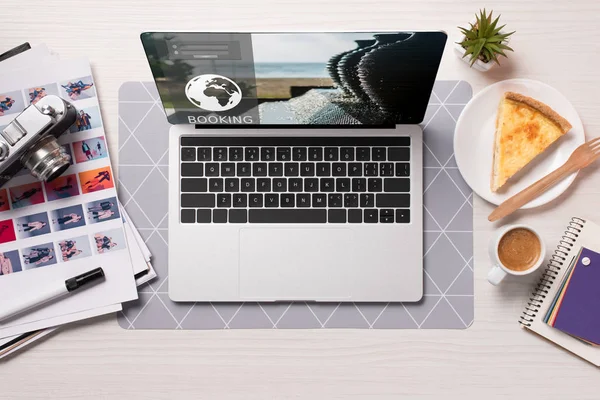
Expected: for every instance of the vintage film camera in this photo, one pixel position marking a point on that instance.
(30, 140)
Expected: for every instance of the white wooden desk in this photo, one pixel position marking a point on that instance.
(556, 42)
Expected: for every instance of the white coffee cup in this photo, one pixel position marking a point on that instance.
(499, 271)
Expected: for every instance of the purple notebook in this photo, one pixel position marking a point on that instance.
(579, 313)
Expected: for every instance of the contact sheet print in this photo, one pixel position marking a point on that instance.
(68, 225)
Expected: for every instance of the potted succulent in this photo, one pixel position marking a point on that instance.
(483, 41)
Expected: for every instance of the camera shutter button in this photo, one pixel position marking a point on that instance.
(4, 150)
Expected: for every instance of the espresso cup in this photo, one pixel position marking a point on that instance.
(515, 250)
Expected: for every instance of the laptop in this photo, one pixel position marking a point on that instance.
(295, 163)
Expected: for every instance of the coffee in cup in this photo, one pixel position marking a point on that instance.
(515, 250)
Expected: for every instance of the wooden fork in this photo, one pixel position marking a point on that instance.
(583, 156)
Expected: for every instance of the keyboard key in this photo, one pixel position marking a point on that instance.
(311, 185)
(378, 154)
(255, 200)
(323, 169)
(244, 169)
(363, 154)
(240, 200)
(232, 185)
(350, 200)
(188, 154)
(315, 154)
(339, 169)
(355, 216)
(371, 216)
(374, 184)
(336, 216)
(327, 184)
(342, 184)
(331, 153)
(334, 200)
(291, 169)
(204, 154)
(347, 154)
(220, 154)
(238, 216)
(386, 216)
(224, 200)
(279, 185)
(370, 169)
(287, 200)
(194, 184)
(403, 216)
(295, 185)
(307, 169)
(355, 169)
(367, 200)
(319, 200)
(275, 169)
(359, 184)
(303, 200)
(204, 216)
(236, 154)
(192, 169)
(267, 154)
(386, 169)
(263, 185)
(402, 169)
(215, 184)
(299, 153)
(248, 185)
(399, 154)
(284, 154)
(228, 169)
(251, 154)
(259, 169)
(219, 216)
(212, 169)
(297, 216)
(188, 216)
(271, 200)
(198, 200)
(393, 200)
(396, 185)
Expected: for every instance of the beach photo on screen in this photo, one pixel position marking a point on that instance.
(32, 225)
(75, 248)
(39, 255)
(10, 262)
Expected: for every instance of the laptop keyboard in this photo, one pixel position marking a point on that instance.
(295, 180)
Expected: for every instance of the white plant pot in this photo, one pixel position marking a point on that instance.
(479, 65)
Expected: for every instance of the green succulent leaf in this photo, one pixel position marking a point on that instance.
(485, 40)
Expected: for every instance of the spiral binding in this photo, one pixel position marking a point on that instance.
(541, 290)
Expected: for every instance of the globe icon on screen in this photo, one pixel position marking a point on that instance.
(213, 92)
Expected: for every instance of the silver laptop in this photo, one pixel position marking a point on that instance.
(295, 163)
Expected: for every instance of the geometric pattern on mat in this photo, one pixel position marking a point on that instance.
(448, 233)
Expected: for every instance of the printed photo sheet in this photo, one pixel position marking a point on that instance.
(50, 232)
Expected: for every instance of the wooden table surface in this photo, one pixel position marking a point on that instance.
(556, 42)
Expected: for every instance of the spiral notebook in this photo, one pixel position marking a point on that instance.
(579, 233)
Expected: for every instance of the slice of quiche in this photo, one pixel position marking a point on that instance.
(525, 128)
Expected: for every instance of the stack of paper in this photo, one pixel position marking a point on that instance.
(53, 231)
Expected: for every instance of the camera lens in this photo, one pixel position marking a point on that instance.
(46, 159)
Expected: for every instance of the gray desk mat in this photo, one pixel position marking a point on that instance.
(448, 302)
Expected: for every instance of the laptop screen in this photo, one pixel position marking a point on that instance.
(307, 79)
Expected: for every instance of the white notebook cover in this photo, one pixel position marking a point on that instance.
(580, 232)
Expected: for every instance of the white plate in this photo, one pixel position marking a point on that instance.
(474, 142)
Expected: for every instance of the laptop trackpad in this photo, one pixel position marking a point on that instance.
(295, 263)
